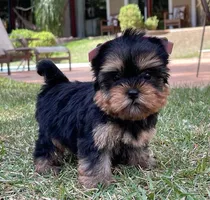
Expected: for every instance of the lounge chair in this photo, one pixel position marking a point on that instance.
(24, 53)
(9, 53)
(43, 52)
(110, 26)
(48, 51)
(3, 59)
(179, 17)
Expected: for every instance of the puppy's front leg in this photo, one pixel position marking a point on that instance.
(141, 156)
(94, 166)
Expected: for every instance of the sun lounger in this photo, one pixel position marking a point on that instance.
(48, 52)
(9, 53)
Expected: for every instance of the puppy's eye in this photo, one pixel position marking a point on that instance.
(116, 77)
(147, 76)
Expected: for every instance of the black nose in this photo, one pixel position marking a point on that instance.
(133, 93)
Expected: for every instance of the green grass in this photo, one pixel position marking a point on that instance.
(80, 48)
(182, 146)
(186, 44)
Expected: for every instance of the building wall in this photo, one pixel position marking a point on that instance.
(80, 17)
(200, 13)
(115, 6)
(133, 1)
(67, 23)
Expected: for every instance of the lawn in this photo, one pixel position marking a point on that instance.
(80, 48)
(182, 148)
(186, 44)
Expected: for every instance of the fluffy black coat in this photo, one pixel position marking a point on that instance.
(68, 115)
(66, 112)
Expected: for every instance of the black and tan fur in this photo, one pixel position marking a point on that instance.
(108, 121)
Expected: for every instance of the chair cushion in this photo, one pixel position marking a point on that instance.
(178, 12)
(114, 21)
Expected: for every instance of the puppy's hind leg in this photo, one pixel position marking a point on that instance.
(47, 155)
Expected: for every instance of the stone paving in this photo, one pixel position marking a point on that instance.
(182, 71)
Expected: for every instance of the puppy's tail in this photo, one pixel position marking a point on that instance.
(51, 73)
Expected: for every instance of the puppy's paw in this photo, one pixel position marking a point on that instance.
(149, 163)
(43, 166)
(93, 181)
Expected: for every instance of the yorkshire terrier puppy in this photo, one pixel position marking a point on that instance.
(110, 120)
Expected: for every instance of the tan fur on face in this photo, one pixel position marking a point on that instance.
(107, 135)
(146, 61)
(151, 99)
(113, 63)
(117, 103)
(99, 173)
(143, 138)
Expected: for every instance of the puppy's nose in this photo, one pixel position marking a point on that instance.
(133, 93)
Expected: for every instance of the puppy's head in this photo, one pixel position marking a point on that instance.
(131, 76)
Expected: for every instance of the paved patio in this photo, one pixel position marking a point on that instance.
(183, 73)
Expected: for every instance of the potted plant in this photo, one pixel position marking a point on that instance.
(130, 17)
(151, 23)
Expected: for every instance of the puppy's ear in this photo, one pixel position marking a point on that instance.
(95, 59)
(93, 53)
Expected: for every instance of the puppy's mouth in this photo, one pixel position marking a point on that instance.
(134, 103)
(134, 110)
(118, 103)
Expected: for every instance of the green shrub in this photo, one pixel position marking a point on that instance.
(20, 33)
(45, 38)
(130, 17)
(151, 23)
